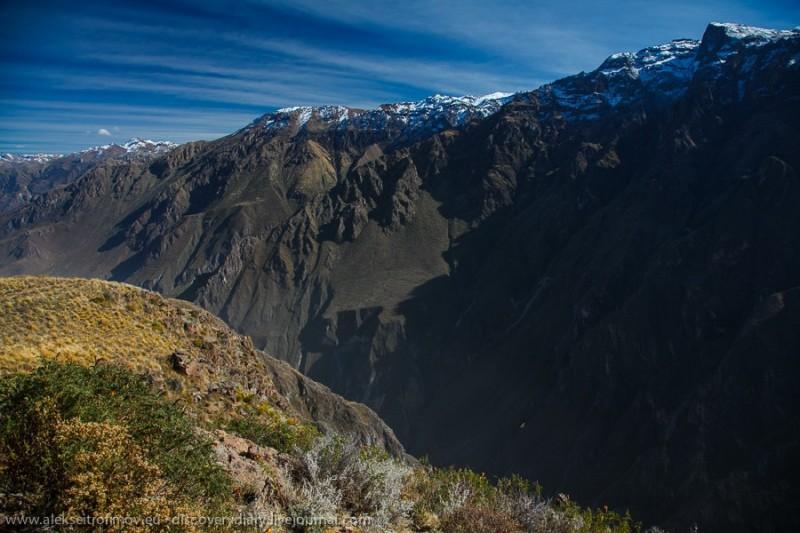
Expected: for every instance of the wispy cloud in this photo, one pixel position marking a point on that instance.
(293, 62)
(188, 70)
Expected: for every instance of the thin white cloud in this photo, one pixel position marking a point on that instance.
(338, 72)
(545, 35)
(104, 132)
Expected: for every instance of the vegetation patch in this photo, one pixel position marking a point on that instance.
(265, 425)
(83, 321)
(459, 499)
(92, 441)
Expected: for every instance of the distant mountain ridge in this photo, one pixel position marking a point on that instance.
(416, 119)
(134, 145)
(594, 285)
(23, 176)
(665, 69)
(38, 157)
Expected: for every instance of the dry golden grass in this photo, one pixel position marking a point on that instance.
(85, 321)
(82, 321)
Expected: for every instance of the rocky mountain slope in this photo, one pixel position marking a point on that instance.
(594, 285)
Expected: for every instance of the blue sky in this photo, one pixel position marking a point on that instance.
(82, 73)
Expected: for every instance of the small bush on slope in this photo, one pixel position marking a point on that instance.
(447, 499)
(342, 477)
(261, 423)
(68, 433)
(470, 519)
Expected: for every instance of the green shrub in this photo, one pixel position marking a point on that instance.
(459, 499)
(442, 490)
(93, 469)
(102, 394)
(597, 520)
(517, 485)
(267, 426)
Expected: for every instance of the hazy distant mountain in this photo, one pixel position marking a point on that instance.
(24, 175)
(595, 284)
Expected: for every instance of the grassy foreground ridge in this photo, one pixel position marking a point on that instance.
(115, 401)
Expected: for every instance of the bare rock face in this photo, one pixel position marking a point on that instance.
(260, 475)
(244, 460)
(183, 364)
(593, 285)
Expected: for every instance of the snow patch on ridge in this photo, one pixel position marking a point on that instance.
(37, 158)
(665, 72)
(752, 35)
(135, 145)
(430, 114)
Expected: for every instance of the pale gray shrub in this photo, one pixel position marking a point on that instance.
(319, 498)
(536, 514)
(344, 478)
(458, 494)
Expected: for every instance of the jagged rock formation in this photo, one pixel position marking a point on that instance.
(595, 285)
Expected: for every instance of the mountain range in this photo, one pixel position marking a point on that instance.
(595, 284)
(24, 175)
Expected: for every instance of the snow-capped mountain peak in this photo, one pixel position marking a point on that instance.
(752, 35)
(722, 40)
(659, 58)
(495, 96)
(665, 72)
(134, 146)
(138, 145)
(430, 114)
